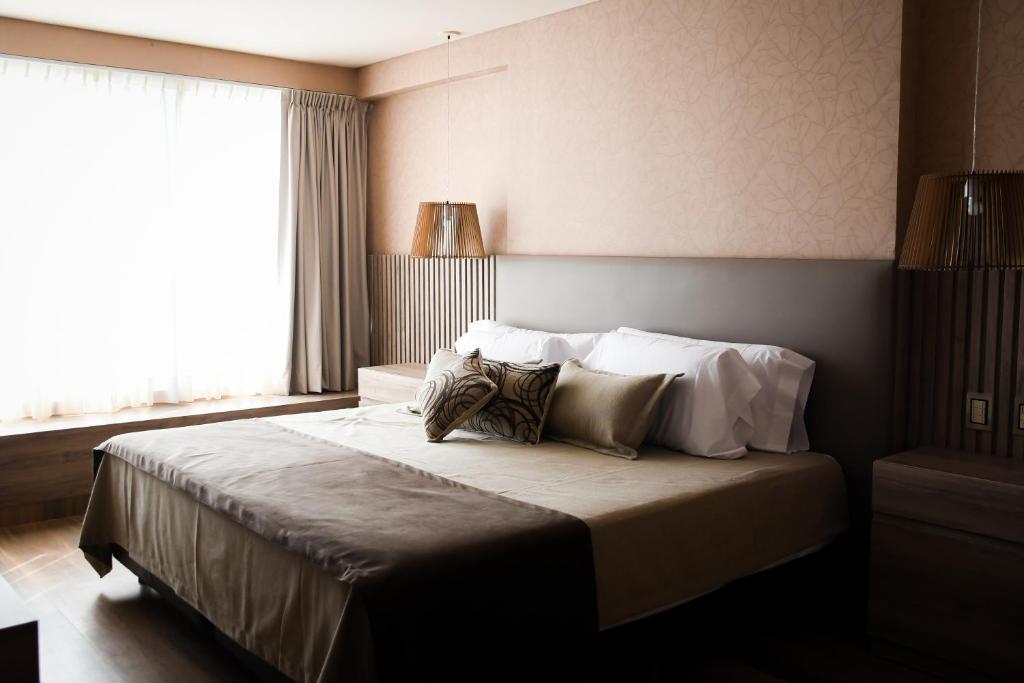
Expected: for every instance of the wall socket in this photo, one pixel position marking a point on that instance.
(1017, 419)
(979, 412)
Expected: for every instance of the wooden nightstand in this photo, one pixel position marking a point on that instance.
(19, 638)
(947, 562)
(390, 383)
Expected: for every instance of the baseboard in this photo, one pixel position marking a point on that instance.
(40, 511)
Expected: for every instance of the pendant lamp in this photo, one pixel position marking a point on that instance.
(448, 229)
(969, 220)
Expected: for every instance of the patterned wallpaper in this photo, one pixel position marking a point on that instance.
(1001, 86)
(762, 128)
(938, 97)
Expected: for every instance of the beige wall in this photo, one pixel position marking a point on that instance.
(44, 41)
(938, 89)
(957, 331)
(654, 127)
(939, 57)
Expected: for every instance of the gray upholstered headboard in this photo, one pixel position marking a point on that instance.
(839, 313)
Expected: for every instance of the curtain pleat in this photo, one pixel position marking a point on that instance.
(323, 238)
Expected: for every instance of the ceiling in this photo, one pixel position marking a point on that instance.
(341, 32)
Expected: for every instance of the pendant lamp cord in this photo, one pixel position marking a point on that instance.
(977, 78)
(448, 89)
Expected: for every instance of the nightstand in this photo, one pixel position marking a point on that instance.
(19, 638)
(390, 383)
(947, 562)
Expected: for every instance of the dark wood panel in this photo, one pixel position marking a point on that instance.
(955, 490)
(46, 467)
(1004, 397)
(943, 361)
(1015, 353)
(965, 607)
(961, 332)
(19, 638)
(24, 513)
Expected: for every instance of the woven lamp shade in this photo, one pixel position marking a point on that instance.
(965, 221)
(447, 229)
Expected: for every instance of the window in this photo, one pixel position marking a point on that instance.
(138, 239)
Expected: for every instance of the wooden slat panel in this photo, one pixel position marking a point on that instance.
(975, 323)
(943, 359)
(928, 355)
(960, 332)
(1003, 367)
(989, 355)
(420, 305)
(1018, 361)
(956, 399)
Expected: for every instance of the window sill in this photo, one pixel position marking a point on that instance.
(183, 414)
(46, 465)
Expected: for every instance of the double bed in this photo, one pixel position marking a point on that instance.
(664, 529)
(472, 558)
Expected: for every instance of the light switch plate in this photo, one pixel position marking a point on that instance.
(978, 411)
(1017, 419)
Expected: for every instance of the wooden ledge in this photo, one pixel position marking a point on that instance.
(183, 414)
(46, 465)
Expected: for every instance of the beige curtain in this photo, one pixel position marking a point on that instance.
(323, 239)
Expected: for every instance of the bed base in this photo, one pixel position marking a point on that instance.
(763, 592)
(259, 667)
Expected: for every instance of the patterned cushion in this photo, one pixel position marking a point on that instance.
(454, 395)
(520, 406)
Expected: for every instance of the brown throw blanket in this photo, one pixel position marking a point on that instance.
(456, 583)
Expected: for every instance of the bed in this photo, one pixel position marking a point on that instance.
(532, 549)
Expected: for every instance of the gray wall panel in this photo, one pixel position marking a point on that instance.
(839, 313)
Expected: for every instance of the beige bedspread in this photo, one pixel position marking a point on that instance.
(665, 529)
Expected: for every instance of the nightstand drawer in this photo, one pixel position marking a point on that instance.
(390, 383)
(947, 563)
(954, 595)
(979, 494)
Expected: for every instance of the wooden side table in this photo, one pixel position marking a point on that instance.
(390, 383)
(19, 639)
(947, 562)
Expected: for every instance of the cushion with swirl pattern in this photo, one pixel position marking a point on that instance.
(454, 395)
(520, 406)
(441, 359)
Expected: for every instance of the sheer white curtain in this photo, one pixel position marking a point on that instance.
(138, 240)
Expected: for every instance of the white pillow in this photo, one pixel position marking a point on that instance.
(581, 343)
(515, 346)
(705, 412)
(785, 378)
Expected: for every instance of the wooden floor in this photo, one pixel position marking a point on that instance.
(102, 630)
(113, 629)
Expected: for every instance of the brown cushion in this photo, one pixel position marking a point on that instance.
(520, 406)
(458, 391)
(604, 412)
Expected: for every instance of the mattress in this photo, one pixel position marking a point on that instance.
(665, 529)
